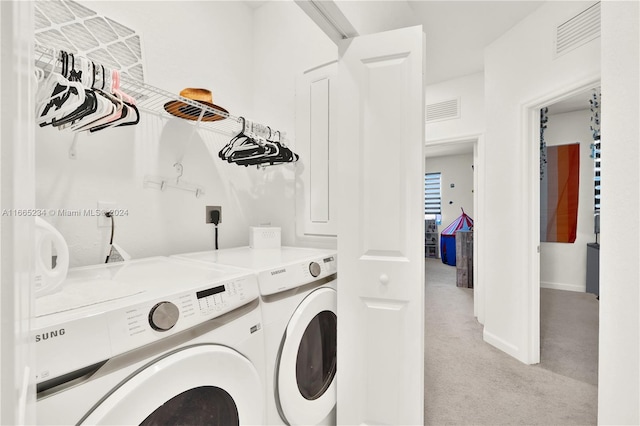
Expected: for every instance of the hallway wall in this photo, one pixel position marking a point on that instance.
(619, 366)
(520, 68)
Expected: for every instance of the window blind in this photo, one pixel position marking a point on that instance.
(432, 197)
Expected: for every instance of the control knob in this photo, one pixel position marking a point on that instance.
(163, 316)
(314, 268)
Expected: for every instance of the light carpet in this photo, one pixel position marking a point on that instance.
(469, 382)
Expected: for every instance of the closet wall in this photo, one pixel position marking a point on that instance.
(286, 44)
(226, 47)
(563, 266)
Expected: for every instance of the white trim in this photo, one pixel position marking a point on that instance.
(473, 137)
(501, 344)
(530, 161)
(329, 18)
(17, 167)
(478, 206)
(563, 286)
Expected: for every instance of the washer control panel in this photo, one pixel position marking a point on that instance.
(297, 274)
(105, 334)
(145, 323)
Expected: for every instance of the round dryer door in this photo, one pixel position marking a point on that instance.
(307, 363)
(204, 384)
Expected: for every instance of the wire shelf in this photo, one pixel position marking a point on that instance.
(154, 100)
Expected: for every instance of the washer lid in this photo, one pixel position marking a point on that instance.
(167, 391)
(278, 269)
(306, 387)
(99, 288)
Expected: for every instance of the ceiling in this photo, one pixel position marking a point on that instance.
(577, 102)
(456, 31)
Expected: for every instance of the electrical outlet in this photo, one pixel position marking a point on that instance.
(104, 206)
(208, 210)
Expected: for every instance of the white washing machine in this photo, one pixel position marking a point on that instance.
(298, 299)
(151, 341)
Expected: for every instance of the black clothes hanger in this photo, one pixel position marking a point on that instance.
(245, 150)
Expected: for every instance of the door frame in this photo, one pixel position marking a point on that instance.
(450, 146)
(530, 117)
(17, 167)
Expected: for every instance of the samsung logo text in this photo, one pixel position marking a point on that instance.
(49, 335)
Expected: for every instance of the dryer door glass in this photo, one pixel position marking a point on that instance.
(205, 405)
(316, 360)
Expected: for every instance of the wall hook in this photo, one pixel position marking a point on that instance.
(179, 170)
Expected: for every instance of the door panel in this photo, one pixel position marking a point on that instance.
(316, 206)
(381, 228)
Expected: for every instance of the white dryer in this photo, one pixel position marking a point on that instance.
(299, 304)
(151, 341)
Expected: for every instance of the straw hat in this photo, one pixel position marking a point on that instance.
(191, 112)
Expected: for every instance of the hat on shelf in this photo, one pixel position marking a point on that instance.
(191, 112)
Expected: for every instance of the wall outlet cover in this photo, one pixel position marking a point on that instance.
(208, 210)
(104, 206)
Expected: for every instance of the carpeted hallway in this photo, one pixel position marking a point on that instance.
(467, 381)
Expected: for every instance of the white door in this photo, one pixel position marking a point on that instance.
(381, 229)
(201, 384)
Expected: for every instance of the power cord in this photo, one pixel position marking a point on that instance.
(113, 230)
(215, 219)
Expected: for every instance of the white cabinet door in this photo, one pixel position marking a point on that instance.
(316, 188)
(381, 229)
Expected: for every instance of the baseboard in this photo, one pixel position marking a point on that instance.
(501, 344)
(563, 286)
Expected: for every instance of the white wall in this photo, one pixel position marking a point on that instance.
(286, 43)
(619, 358)
(519, 69)
(111, 164)
(457, 170)
(563, 265)
(217, 45)
(470, 90)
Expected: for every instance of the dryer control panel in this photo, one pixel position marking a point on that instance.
(297, 274)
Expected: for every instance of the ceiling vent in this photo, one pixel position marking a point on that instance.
(445, 110)
(578, 30)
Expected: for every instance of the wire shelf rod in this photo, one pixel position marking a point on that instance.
(151, 99)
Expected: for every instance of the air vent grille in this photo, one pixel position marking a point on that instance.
(578, 30)
(445, 110)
